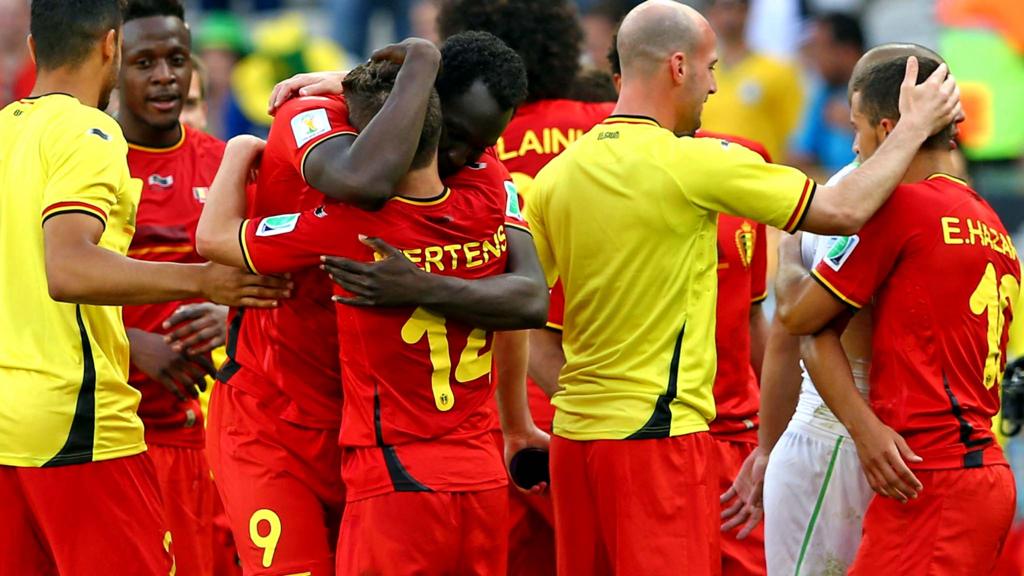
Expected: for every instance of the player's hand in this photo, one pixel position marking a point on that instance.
(884, 455)
(234, 287)
(932, 105)
(743, 502)
(530, 437)
(397, 53)
(181, 375)
(392, 281)
(306, 84)
(198, 328)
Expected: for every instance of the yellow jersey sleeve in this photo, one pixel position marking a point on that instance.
(538, 224)
(87, 162)
(726, 177)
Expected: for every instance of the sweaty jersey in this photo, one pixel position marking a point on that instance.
(627, 219)
(293, 348)
(417, 386)
(174, 185)
(742, 274)
(943, 275)
(538, 132)
(63, 367)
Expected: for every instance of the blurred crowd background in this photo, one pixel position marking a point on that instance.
(782, 76)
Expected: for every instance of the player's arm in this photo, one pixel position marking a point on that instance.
(510, 360)
(364, 170)
(802, 305)
(515, 300)
(926, 108)
(881, 450)
(546, 359)
(217, 234)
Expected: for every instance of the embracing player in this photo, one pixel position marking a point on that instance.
(925, 440)
(422, 473)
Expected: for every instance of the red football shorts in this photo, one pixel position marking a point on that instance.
(97, 518)
(956, 526)
(187, 494)
(425, 533)
(739, 557)
(643, 507)
(280, 485)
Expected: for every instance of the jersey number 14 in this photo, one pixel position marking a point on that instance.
(472, 364)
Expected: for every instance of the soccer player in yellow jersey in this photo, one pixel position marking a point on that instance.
(78, 494)
(626, 218)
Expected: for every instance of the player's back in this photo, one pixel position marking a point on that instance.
(59, 156)
(940, 318)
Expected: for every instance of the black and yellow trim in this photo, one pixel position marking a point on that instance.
(631, 119)
(401, 480)
(74, 207)
(834, 291)
(519, 227)
(943, 175)
(659, 425)
(78, 448)
(245, 249)
(554, 326)
(157, 150)
(796, 219)
(231, 366)
(759, 299)
(974, 456)
(302, 162)
(432, 201)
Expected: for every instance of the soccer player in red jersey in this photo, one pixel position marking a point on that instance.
(943, 276)
(417, 383)
(170, 341)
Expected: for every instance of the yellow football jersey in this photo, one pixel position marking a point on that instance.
(760, 98)
(63, 367)
(627, 218)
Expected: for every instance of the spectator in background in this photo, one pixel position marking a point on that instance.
(600, 22)
(352, 23)
(423, 20)
(220, 41)
(193, 113)
(758, 97)
(17, 71)
(825, 138)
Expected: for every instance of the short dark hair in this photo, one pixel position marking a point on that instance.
(879, 89)
(845, 29)
(368, 86)
(147, 8)
(594, 86)
(470, 56)
(65, 31)
(613, 56)
(545, 33)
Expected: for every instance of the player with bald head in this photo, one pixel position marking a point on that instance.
(815, 491)
(627, 219)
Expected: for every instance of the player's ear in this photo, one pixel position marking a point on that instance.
(111, 44)
(677, 65)
(884, 128)
(32, 50)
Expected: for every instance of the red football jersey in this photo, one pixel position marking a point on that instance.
(943, 275)
(175, 181)
(417, 386)
(742, 273)
(294, 347)
(538, 132)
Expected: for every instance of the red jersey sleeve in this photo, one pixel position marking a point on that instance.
(303, 123)
(489, 174)
(855, 266)
(556, 310)
(289, 242)
(513, 201)
(759, 266)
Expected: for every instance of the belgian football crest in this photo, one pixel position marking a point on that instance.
(745, 243)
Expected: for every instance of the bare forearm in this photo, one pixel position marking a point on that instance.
(505, 302)
(92, 275)
(780, 385)
(758, 338)
(546, 359)
(829, 370)
(217, 232)
(510, 359)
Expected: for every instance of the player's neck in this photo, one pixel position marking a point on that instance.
(138, 132)
(928, 162)
(421, 183)
(641, 99)
(78, 83)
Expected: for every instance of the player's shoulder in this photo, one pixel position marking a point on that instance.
(486, 171)
(752, 145)
(204, 145)
(298, 105)
(86, 129)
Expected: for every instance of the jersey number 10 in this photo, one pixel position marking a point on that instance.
(992, 299)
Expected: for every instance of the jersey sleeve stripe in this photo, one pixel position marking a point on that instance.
(68, 207)
(245, 249)
(302, 163)
(554, 326)
(519, 227)
(800, 212)
(137, 252)
(834, 291)
(759, 299)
